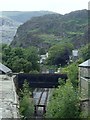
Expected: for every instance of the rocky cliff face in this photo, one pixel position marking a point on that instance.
(8, 28)
(10, 21)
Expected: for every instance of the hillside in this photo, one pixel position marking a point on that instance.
(47, 30)
(8, 29)
(10, 20)
(23, 16)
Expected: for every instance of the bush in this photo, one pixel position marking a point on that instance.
(72, 72)
(26, 102)
(64, 103)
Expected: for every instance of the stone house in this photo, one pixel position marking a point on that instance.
(84, 77)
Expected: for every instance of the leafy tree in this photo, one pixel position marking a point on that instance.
(5, 52)
(85, 52)
(63, 103)
(26, 102)
(19, 52)
(42, 51)
(59, 54)
(31, 55)
(72, 72)
(20, 64)
(27, 66)
(19, 59)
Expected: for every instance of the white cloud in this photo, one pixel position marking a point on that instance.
(61, 6)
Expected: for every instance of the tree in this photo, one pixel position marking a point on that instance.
(31, 55)
(19, 59)
(59, 54)
(42, 51)
(72, 72)
(19, 52)
(63, 103)
(85, 52)
(26, 102)
(5, 52)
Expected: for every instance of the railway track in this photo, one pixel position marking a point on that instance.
(40, 107)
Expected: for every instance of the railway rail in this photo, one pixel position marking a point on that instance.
(40, 106)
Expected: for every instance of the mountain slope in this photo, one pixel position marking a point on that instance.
(47, 30)
(10, 20)
(23, 16)
(8, 29)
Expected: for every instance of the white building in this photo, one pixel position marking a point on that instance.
(75, 54)
(43, 58)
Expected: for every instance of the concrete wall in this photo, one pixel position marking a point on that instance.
(8, 98)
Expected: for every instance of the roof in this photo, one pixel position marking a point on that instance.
(85, 64)
(4, 68)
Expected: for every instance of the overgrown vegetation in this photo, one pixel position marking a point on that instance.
(64, 103)
(85, 52)
(59, 54)
(72, 72)
(20, 59)
(26, 101)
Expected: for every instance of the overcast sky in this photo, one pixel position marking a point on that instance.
(59, 6)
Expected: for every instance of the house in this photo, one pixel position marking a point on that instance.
(43, 58)
(4, 69)
(84, 77)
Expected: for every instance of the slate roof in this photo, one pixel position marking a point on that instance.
(4, 68)
(85, 64)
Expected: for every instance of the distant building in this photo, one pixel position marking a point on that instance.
(74, 54)
(4, 69)
(84, 77)
(43, 58)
